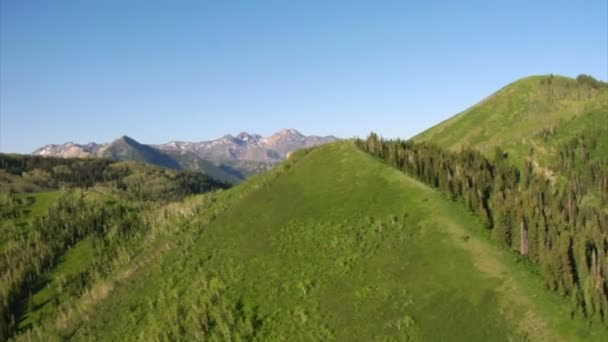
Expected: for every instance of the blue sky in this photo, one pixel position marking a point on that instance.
(194, 70)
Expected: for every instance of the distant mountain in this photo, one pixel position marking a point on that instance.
(190, 161)
(71, 150)
(127, 149)
(230, 158)
(249, 147)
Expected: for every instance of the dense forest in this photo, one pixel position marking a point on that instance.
(559, 224)
(19, 173)
(99, 205)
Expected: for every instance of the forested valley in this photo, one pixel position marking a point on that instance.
(95, 209)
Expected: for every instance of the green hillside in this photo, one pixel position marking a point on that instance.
(190, 161)
(520, 116)
(331, 245)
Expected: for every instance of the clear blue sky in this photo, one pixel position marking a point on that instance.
(194, 70)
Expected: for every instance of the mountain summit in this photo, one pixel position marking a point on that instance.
(527, 109)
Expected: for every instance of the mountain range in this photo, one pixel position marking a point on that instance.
(230, 158)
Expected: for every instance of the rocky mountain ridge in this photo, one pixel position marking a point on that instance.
(244, 147)
(240, 155)
(249, 147)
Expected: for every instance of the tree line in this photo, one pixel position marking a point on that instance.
(560, 226)
(79, 172)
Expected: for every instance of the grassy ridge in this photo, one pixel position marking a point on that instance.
(333, 244)
(519, 115)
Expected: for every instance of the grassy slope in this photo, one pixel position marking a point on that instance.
(70, 264)
(190, 161)
(513, 117)
(335, 244)
(41, 201)
(37, 204)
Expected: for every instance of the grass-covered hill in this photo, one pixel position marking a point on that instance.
(333, 244)
(532, 116)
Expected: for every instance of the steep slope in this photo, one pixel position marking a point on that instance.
(127, 149)
(190, 161)
(518, 117)
(332, 244)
